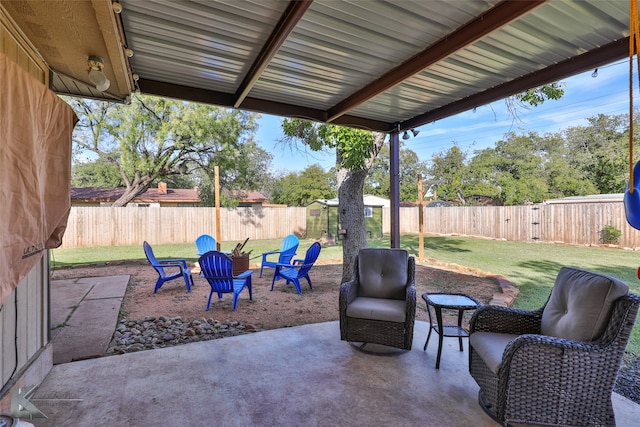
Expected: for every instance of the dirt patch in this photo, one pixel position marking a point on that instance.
(280, 308)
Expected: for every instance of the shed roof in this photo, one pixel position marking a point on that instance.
(592, 198)
(367, 202)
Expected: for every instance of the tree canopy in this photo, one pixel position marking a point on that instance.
(155, 138)
(98, 173)
(378, 180)
(529, 167)
(302, 188)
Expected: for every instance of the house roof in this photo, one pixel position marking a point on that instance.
(384, 65)
(249, 196)
(152, 195)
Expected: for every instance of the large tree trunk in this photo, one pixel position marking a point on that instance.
(351, 217)
(351, 206)
(134, 189)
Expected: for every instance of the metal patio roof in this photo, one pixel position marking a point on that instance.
(380, 65)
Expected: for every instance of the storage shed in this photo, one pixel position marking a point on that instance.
(323, 219)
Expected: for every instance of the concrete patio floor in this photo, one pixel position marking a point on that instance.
(287, 377)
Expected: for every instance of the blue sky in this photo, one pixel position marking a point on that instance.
(585, 96)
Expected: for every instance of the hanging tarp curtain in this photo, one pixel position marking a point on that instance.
(35, 171)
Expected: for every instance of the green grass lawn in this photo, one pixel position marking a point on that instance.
(101, 254)
(531, 266)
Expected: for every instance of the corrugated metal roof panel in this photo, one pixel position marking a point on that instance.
(345, 41)
(550, 34)
(205, 44)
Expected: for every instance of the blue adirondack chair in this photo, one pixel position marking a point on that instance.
(205, 243)
(285, 254)
(299, 269)
(161, 264)
(217, 268)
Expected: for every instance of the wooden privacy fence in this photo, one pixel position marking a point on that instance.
(579, 224)
(107, 226)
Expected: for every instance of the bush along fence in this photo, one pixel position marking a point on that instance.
(579, 224)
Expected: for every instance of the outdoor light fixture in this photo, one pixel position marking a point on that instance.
(595, 73)
(117, 7)
(97, 77)
(128, 52)
(406, 135)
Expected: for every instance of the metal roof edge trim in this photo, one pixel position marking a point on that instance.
(157, 88)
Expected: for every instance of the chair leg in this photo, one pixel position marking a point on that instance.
(158, 284)
(296, 282)
(235, 301)
(261, 267)
(428, 336)
(188, 280)
(250, 289)
(209, 302)
(276, 276)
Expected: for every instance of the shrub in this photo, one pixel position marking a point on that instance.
(610, 235)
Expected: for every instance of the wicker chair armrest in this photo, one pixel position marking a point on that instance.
(410, 300)
(493, 318)
(543, 350)
(348, 292)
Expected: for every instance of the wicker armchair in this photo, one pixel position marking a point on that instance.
(378, 305)
(556, 365)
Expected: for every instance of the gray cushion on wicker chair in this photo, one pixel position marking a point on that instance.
(389, 310)
(580, 305)
(490, 347)
(555, 365)
(383, 273)
(378, 304)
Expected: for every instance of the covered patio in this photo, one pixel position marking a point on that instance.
(302, 375)
(385, 66)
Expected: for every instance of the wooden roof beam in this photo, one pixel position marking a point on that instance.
(498, 16)
(290, 18)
